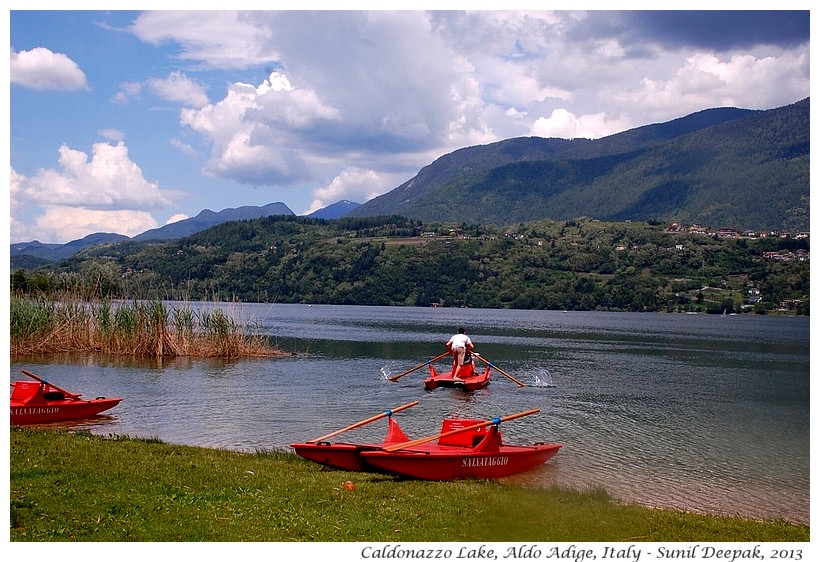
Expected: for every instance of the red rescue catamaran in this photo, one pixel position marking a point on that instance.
(466, 377)
(40, 401)
(464, 449)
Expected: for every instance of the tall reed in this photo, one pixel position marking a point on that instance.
(135, 328)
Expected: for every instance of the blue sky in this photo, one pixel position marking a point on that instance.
(122, 121)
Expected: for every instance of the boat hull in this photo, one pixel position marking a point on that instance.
(40, 402)
(62, 410)
(347, 456)
(341, 456)
(450, 463)
(461, 377)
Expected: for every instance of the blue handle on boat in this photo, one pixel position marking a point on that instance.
(496, 421)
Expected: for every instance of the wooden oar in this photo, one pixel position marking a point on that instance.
(54, 386)
(509, 376)
(423, 440)
(397, 377)
(365, 422)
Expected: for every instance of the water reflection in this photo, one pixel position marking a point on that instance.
(99, 424)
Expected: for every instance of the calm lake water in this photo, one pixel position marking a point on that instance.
(696, 412)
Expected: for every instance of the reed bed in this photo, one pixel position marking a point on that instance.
(150, 328)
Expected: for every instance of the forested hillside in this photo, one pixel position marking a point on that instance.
(579, 264)
(729, 168)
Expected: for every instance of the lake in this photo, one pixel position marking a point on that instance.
(698, 412)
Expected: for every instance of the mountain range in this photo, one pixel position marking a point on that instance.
(28, 255)
(726, 168)
(208, 218)
(723, 167)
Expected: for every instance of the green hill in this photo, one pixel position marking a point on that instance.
(729, 168)
(579, 264)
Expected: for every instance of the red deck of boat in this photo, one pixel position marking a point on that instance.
(465, 377)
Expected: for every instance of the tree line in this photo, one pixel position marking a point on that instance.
(579, 264)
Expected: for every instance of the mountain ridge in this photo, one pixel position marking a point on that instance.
(26, 254)
(335, 210)
(731, 167)
(208, 218)
(35, 253)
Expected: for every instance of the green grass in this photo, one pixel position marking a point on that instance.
(81, 487)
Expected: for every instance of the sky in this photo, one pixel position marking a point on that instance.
(123, 121)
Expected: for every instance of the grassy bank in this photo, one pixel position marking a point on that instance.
(79, 487)
(151, 329)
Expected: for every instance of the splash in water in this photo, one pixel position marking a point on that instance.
(543, 378)
(386, 374)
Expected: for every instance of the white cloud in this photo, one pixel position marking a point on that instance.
(106, 193)
(112, 134)
(176, 218)
(15, 188)
(176, 87)
(222, 39)
(183, 147)
(706, 80)
(109, 180)
(397, 84)
(42, 69)
(349, 88)
(563, 124)
(128, 90)
(352, 184)
(63, 224)
(253, 130)
(279, 104)
(179, 88)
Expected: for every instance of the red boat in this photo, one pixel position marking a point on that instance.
(465, 377)
(465, 449)
(39, 401)
(346, 456)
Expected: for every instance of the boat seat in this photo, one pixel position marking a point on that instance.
(469, 438)
(24, 390)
